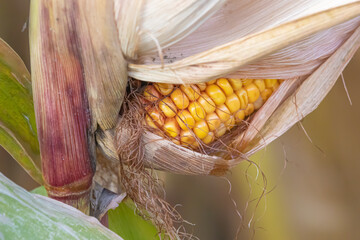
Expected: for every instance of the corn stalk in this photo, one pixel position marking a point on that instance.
(78, 77)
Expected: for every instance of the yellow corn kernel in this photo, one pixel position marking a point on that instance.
(243, 97)
(151, 94)
(246, 82)
(201, 86)
(164, 88)
(250, 109)
(223, 112)
(230, 123)
(171, 127)
(266, 94)
(260, 83)
(150, 122)
(209, 138)
(269, 83)
(220, 131)
(252, 92)
(191, 91)
(180, 99)
(177, 142)
(197, 111)
(207, 103)
(216, 94)
(258, 103)
(233, 103)
(156, 116)
(213, 121)
(239, 116)
(187, 137)
(168, 107)
(185, 120)
(194, 145)
(201, 129)
(276, 86)
(235, 83)
(204, 111)
(225, 86)
(211, 82)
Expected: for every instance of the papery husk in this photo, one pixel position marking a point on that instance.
(184, 28)
(154, 23)
(104, 65)
(228, 58)
(307, 97)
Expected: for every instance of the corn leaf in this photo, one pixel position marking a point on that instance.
(40, 191)
(17, 118)
(25, 215)
(125, 222)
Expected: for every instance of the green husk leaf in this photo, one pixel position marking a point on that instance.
(123, 220)
(25, 215)
(127, 223)
(40, 191)
(17, 118)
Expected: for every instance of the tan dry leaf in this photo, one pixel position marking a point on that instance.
(228, 58)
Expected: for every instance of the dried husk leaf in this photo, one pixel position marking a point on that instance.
(180, 27)
(307, 97)
(301, 58)
(228, 58)
(104, 65)
(155, 23)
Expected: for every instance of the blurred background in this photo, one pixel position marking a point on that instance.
(312, 185)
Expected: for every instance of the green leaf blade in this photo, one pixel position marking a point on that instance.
(30, 216)
(17, 117)
(128, 224)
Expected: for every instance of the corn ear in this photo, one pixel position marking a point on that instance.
(165, 155)
(253, 49)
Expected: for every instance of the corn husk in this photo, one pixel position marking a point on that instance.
(229, 57)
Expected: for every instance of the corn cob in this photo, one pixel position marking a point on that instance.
(206, 111)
